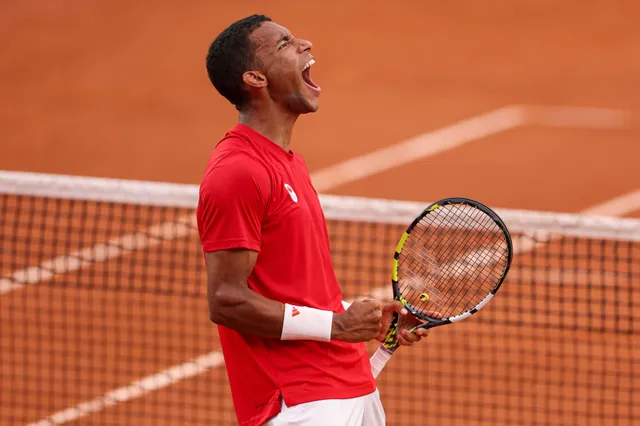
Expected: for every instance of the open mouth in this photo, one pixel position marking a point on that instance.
(306, 76)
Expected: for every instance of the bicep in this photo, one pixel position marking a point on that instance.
(228, 271)
(232, 303)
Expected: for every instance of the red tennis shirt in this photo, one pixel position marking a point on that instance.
(257, 196)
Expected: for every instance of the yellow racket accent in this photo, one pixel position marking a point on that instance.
(401, 243)
(394, 270)
(424, 297)
(403, 300)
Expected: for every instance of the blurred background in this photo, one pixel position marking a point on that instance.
(521, 104)
(125, 83)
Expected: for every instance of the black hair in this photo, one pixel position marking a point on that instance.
(232, 54)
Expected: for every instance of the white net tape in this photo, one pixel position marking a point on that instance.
(335, 207)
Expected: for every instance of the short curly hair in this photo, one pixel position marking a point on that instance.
(232, 54)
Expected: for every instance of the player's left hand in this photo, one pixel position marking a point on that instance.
(405, 336)
(388, 309)
(406, 323)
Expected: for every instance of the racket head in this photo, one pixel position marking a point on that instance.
(451, 260)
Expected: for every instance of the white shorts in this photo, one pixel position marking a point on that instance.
(366, 410)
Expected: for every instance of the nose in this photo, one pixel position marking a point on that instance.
(304, 45)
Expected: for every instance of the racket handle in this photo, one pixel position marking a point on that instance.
(379, 360)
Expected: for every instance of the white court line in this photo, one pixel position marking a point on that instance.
(618, 206)
(464, 132)
(421, 146)
(576, 117)
(136, 389)
(615, 207)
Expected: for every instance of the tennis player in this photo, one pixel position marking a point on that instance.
(294, 350)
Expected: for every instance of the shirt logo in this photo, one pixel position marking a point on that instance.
(295, 312)
(293, 195)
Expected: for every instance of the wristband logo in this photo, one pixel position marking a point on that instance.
(293, 195)
(295, 312)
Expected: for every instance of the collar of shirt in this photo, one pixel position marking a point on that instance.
(263, 142)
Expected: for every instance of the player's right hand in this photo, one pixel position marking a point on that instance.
(360, 323)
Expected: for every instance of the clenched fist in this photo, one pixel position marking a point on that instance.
(360, 323)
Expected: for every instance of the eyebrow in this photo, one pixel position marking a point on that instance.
(284, 37)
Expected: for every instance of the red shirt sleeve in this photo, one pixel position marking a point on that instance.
(232, 203)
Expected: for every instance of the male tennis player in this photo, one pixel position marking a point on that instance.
(293, 354)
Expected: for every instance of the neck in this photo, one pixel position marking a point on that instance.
(273, 123)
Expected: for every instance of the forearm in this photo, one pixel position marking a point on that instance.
(246, 311)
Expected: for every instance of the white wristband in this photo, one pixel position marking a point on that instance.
(303, 323)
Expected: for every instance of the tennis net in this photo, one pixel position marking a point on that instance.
(103, 317)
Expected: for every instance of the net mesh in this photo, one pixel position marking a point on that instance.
(103, 317)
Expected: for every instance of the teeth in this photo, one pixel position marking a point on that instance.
(308, 64)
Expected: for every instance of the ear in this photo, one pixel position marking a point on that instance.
(254, 79)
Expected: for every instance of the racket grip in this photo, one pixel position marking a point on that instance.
(379, 360)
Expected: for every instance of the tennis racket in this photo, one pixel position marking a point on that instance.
(448, 265)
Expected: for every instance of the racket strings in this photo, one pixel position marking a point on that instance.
(459, 264)
(467, 296)
(427, 258)
(436, 297)
(421, 288)
(415, 293)
(454, 299)
(464, 260)
(463, 299)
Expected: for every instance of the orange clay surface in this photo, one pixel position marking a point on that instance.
(119, 89)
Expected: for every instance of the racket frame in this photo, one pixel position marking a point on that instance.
(390, 344)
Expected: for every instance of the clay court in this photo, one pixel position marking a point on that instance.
(540, 105)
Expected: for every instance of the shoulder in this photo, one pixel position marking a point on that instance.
(236, 156)
(234, 167)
